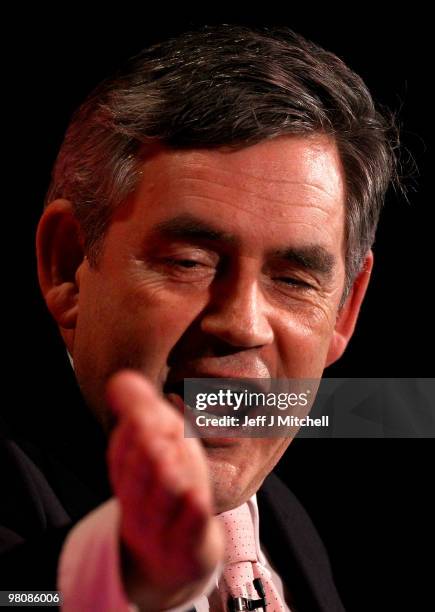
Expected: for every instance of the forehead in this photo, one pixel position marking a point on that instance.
(259, 190)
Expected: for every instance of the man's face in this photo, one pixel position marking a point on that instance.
(222, 264)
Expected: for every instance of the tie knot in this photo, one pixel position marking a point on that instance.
(239, 535)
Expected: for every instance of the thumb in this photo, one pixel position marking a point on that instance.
(128, 390)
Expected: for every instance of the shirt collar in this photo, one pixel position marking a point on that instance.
(253, 508)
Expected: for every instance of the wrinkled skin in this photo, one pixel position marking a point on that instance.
(193, 281)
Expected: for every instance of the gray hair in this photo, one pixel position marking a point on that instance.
(229, 86)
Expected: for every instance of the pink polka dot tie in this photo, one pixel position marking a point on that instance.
(241, 563)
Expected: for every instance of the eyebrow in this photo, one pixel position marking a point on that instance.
(187, 226)
(314, 258)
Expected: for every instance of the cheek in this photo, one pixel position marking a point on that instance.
(152, 322)
(303, 344)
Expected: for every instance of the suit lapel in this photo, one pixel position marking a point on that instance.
(295, 549)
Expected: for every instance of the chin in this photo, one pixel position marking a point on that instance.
(231, 485)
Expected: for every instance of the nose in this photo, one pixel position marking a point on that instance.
(237, 314)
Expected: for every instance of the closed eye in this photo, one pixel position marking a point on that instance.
(184, 263)
(293, 282)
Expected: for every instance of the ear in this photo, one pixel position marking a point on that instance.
(60, 255)
(348, 313)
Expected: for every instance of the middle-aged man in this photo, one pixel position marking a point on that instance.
(211, 214)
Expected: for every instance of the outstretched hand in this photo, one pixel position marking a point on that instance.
(171, 541)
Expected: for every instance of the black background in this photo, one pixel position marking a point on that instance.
(368, 498)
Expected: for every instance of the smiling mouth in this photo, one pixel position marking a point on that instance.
(175, 393)
(176, 398)
(221, 439)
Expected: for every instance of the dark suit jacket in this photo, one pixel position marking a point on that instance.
(52, 473)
